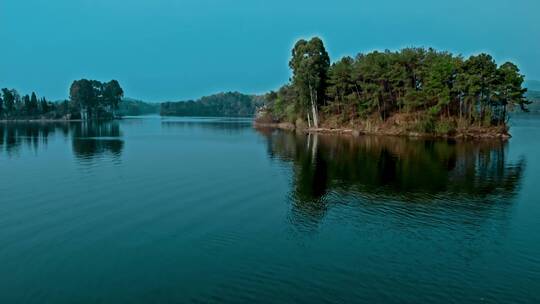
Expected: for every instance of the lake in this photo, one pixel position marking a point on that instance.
(211, 210)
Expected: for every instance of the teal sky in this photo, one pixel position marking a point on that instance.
(178, 49)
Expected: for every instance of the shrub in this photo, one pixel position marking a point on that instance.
(425, 124)
(444, 127)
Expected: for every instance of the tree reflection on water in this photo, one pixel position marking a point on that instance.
(344, 170)
(89, 139)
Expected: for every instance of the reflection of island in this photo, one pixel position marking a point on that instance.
(13, 136)
(89, 139)
(393, 169)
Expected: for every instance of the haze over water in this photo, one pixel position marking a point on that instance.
(152, 210)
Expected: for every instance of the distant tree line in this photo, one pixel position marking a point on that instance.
(89, 99)
(439, 85)
(14, 105)
(222, 104)
(534, 97)
(132, 107)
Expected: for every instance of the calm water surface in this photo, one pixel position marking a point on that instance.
(151, 210)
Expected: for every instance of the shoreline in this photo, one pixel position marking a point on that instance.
(472, 133)
(53, 120)
(465, 134)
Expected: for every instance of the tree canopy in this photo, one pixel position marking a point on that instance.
(309, 64)
(94, 98)
(438, 85)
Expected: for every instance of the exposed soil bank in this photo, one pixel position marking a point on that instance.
(472, 132)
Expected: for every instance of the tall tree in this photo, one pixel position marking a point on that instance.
(26, 104)
(9, 99)
(33, 104)
(340, 84)
(477, 79)
(112, 94)
(44, 105)
(82, 94)
(310, 63)
(439, 73)
(509, 88)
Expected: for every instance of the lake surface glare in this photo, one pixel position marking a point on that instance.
(212, 210)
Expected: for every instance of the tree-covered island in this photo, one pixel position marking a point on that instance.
(414, 91)
(88, 99)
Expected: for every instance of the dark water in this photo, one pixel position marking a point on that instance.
(213, 211)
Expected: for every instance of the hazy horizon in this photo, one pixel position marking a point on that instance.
(176, 50)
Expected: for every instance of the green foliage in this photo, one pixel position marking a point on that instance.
(112, 94)
(444, 127)
(33, 104)
(426, 124)
(341, 88)
(309, 64)
(95, 99)
(282, 105)
(438, 84)
(222, 104)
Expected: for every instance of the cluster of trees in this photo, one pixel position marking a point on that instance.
(379, 84)
(88, 99)
(15, 105)
(223, 104)
(96, 99)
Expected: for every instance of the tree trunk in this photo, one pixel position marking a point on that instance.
(460, 107)
(504, 113)
(315, 117)
(313, 107)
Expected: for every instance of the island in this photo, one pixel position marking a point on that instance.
(89, 100)
(413, 92)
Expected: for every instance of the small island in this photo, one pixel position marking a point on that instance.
(412, 92)
(88, 100)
